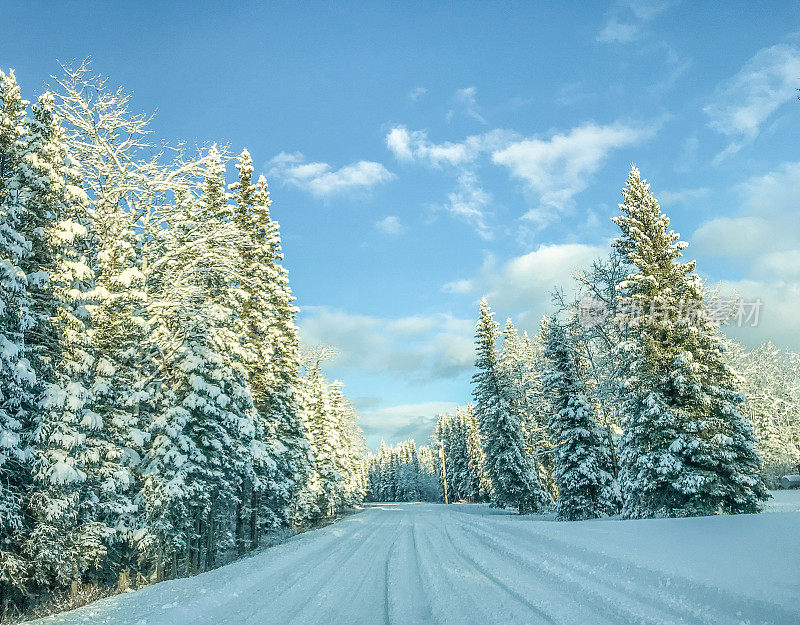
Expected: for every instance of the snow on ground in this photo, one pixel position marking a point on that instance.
(783, 501)
(463, 564)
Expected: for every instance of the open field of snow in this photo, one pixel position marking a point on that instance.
(463, 564)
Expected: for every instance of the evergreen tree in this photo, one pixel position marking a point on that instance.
(515, 482)
(205, 443)
(141, 314)
(65, 540)
(480, 485)
(586, 487)
(686, 449)
(17, 378)
(522, 381)
(270, 356)
(322, 427)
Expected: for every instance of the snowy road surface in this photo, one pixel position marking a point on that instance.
(465, 564)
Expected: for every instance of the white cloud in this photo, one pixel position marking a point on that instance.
(321, 180)
(396, 423)
(784, 265)
(465, 102)
(416, 93)
(682, 196)
(732, 237)
(764, 238)
(777, 319)
(744, 102)
(459, 287)
(470, 202)
(766, 220)
(390, 224)
(417, 348)
(630, 28)
(774, 194)
(522, 286)
(559, 168)
(617, 32)
(556, 169)
(414, 145)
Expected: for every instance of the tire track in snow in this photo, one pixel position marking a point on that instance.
(485, 572)
(332, 574)
(386, 616)
(268, 602)
(284, 570)
(421, 592)
(576, 592)
(689, 593)
(406, 593)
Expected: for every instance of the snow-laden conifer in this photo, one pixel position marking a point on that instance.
(582, 459)
(515, 482)
(270, 353)
(65, 540)
(320, 420)
(17, 378)
(686, 449)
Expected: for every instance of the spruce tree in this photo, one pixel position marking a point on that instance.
(321, 425)
(271, 357)
(17, 378)
(480, 486)
(586, 487)
(205, 441)
(521, 378)
(515, 482)
(686, 449)
(65, 539)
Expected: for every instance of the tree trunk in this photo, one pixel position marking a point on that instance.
(124, 581)
(239, 531)
(73, 586)
(160, 561)
(210, 541)
(254, 503)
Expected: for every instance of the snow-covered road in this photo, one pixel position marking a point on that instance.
(465, 564)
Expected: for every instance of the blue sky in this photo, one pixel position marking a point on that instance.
(422, 155)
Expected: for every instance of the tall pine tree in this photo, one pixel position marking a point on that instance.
(271, 355)
(582, 472)
(686, 449)
(515, 482)
(17, 378)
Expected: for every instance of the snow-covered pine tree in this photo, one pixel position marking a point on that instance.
(463, 478)
(403, 472)
(320, 422)
(64, 540)
(595, 313)
(686, 449)
(382, 460)
(522, 380)
(351, 448)
(17, 378)
(205, 442)
(586, 487)
(480, 485)
(113, 159)
(271, 355)
(442, 437)
(515, 482)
